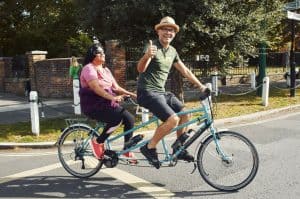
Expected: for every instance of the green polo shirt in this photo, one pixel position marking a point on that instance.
(155, 76)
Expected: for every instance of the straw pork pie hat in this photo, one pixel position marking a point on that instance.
(167, 21)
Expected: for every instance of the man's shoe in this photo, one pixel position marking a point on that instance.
(98, 149)
(151, 156)
(131, 157)
(184, 155)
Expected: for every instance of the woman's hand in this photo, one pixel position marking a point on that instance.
(118, 98)
(133, 95)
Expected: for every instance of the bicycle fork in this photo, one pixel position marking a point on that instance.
(219, 150)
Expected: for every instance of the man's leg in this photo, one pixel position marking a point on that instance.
(149, 150)
(157, 104)
(163, 130)
(183, 119)
(184, 155)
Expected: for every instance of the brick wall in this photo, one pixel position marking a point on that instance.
(51, 78)
(15, 85)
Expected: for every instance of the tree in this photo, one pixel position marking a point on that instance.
(38, 25)
(229, 31)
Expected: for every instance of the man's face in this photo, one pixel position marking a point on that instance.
(166, 34)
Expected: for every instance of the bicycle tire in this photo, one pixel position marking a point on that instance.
(234, 174)
(77, 160)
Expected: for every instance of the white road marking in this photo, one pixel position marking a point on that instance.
(138, 183)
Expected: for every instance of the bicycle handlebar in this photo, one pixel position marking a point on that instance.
(205, 94)
(130, 100)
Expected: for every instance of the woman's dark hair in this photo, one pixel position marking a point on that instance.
(91, 53)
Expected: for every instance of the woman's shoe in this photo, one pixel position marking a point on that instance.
(97, 148)
(131, 157)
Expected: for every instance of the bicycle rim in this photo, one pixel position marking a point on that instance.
(239, 169)
(79, 161)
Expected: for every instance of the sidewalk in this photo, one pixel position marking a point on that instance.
(17, 109)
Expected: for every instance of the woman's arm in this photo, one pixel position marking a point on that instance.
(94, 85)
(118, 89)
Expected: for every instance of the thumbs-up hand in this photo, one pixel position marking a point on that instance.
(152, 49)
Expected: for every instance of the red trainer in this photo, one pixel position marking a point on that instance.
(98, 149)
(132, 159)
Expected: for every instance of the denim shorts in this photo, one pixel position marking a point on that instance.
(162, 105)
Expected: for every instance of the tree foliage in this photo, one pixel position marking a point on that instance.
(37, 25)
(226, 30)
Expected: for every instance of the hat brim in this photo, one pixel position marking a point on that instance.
(176, 27)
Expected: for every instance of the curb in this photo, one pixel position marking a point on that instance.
(256, 115)
(33, 145)
(219, 122)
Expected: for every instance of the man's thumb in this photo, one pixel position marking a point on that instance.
(150, 42)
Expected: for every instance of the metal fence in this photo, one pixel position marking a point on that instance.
(276, 63)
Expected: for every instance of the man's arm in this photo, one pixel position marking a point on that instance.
(143, 63)
(145, 60)
(180, 66)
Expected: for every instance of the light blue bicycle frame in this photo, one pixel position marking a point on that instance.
(205, 121)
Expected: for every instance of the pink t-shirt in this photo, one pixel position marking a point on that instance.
(105, 77)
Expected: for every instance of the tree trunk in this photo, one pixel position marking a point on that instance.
(177, 84)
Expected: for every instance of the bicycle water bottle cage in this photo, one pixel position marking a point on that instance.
(133, 141)
(180, 141)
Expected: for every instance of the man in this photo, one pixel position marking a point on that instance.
(154, 68)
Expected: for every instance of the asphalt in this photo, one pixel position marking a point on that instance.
(17, 109)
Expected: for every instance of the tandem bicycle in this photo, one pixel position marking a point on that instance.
(226, 160)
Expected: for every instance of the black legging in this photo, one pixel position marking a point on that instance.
(113, 117)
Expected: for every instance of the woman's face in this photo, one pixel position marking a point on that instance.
(100, 56)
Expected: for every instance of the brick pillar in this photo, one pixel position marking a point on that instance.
(5, 70)
(116, 60)
(32, 57)
(2, 74)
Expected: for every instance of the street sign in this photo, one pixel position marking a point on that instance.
(293, 16)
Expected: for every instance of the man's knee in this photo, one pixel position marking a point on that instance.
(173, 121)
(185, 117)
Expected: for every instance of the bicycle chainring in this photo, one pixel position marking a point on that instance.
(110, 159)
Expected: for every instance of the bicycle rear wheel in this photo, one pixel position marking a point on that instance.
(237, 170)
(75, 153)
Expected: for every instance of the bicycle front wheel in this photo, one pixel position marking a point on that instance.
(75, 153)
(230, 166)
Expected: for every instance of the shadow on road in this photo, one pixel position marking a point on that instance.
(70, 187)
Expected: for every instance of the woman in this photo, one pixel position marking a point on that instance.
(100, 96)
(74, 75)
(74, 69)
